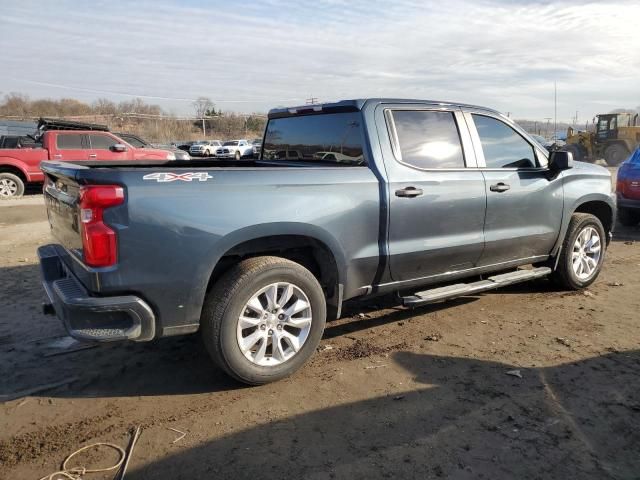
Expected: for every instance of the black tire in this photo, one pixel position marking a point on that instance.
(615, 154)
(564, 275)
(11, 185)
(575, 150)
(207, 153)
(238, 156)
(628, 217)
(227, 299)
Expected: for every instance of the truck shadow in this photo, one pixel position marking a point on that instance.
(30, 358)
(467, 419)
(626, 234)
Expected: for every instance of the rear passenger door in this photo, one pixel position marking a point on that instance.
(436, 194)
(71, 146)
(101, 147)
(524, 201)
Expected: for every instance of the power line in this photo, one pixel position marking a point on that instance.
(150, 97)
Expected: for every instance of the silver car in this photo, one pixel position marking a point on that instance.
(204, 148)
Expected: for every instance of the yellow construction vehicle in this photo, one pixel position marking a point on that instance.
(616, 136)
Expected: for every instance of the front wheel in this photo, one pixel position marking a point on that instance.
(263, 319)
(11, 185)
(238, 156)
(582, 252)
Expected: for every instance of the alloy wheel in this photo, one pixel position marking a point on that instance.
(274, 324)
(587, 250)
(8, 188)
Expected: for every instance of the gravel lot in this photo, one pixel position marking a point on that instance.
(392, 392)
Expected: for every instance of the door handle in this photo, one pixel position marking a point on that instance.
(499, 187)
(93, 155)
(409, 192)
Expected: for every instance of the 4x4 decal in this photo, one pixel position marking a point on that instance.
(164, 177)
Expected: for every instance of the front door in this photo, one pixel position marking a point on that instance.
(102, 147)
(436, 195)
(524, 200)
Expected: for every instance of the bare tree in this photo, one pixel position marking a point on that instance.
(202, 105)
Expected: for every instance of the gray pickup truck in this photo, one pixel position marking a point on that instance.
(351, 199)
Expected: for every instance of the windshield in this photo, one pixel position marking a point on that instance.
(229, 144)
(328, 138)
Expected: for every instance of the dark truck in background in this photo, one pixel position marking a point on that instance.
(352, 199)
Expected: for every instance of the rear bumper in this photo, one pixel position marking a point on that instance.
(97, 319)
(624, 202)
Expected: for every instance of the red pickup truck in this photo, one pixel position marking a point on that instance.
(20, 166)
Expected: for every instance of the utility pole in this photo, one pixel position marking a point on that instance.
(555, 110)
(312, 100)
(548, 119)
(204, 129)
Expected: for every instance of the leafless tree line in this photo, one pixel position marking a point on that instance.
(136, 116)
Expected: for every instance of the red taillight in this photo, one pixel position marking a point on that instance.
(620, 186)
(99, 242)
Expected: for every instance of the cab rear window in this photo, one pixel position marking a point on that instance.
(334, 138)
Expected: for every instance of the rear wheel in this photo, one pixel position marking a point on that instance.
(11, 185)
(582, 252)
(628, 217)
(263, 319)
(615, 154)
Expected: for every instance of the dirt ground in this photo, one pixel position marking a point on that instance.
(391, 393)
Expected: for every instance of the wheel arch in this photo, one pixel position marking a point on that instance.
(597, 204)
(601, 210)
(8, 166)
(312, 247)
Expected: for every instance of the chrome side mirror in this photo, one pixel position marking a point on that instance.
(119, 147)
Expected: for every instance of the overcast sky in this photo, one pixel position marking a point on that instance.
(251, 57)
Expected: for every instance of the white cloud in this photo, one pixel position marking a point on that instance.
(496, 53)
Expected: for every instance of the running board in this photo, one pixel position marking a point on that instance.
(460, 289)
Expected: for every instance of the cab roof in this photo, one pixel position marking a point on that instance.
(358, 104)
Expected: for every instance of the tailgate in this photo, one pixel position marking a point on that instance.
(61, 193)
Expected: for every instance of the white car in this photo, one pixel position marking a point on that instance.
(235, 149)
(205, 148)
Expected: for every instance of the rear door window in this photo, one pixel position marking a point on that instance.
(333, 138)
(428, 139)
(69, 141)
(502, 146)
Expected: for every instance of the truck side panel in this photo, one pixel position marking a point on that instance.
(172, 234)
